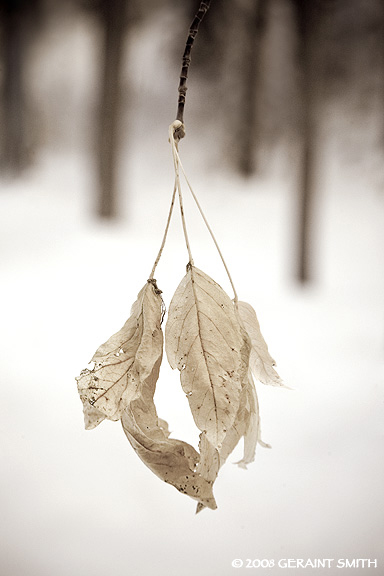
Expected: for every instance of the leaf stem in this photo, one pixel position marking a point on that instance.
(165, 232)
(207, 225)
(173, 138)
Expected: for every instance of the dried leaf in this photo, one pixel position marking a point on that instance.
(239, 427)
(124, 362)
(203, 340)
(246, 424)
(252, 433)
(261, 362)
(209, 462)
(208, 465)
(211, 459)
(171, 460)
(92, 416)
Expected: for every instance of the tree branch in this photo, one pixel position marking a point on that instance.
(204, 6)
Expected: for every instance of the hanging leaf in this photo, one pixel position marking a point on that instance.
(209, 464)
(212, 459)
(260, 361)
(124, 362)
(252, 430)
(247, 423)
(172, 460)
(239, 426)
(203, 340)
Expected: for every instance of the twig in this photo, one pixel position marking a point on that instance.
(204, 6)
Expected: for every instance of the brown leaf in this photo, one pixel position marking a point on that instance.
(92, 416)
(246, 425)
(209, 462)
(124, 362)
(211, 458)
(171, 460)
(247, 422)
(203, 340)
(252, 432)
(261, 362)
(239, 427)
(208, 465)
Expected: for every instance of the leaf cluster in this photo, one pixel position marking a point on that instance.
(217, 346)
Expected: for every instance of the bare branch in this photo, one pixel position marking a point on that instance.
(204, 6)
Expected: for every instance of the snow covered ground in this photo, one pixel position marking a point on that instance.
(76, 502)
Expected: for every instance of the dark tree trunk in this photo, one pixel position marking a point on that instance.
(255, 21)
(307, 18)
(113, 14)
(13, 114)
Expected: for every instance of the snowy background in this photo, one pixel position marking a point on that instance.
(76, 502)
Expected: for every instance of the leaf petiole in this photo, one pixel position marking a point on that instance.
(176, 160)
(165, 232)
(207, 225)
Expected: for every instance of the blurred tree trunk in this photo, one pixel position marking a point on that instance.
(229, 53)
(255, 14)
(307, 18)
(113, 16)
(13, 153)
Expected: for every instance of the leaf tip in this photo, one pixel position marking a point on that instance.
(242, 464)
(287, 387)
(264, 444)
(200, 506)
(209, 503)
